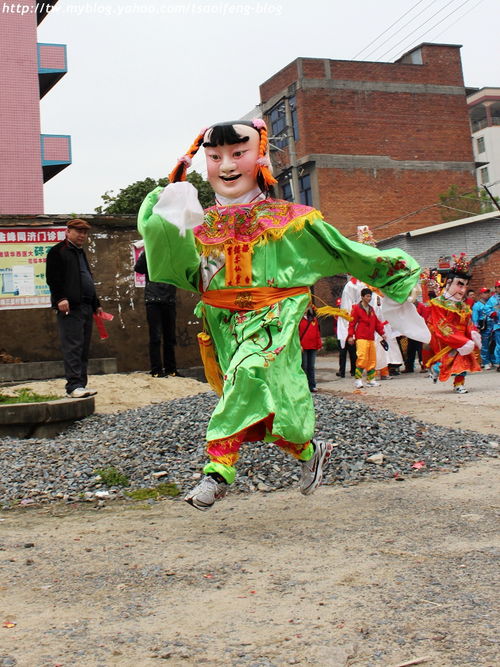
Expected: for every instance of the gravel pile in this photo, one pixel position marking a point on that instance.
(165, 443)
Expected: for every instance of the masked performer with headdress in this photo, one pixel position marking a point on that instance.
(454, 335)
(253, 259)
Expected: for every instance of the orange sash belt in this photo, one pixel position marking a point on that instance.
(249, 299)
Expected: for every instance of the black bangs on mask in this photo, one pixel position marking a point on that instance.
(224, 134)
(458, 274)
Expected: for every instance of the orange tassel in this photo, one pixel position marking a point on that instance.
(213, 371)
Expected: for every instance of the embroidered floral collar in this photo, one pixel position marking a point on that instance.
(454, 306)
(247, 223)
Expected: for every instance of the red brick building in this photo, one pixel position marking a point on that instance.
(371, 142)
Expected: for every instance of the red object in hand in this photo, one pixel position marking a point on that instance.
(99, 322)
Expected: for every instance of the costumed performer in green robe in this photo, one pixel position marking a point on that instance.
(253, 258)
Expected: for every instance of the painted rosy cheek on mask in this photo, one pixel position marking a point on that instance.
(231, 169)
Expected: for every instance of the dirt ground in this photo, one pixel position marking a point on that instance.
(378, 574)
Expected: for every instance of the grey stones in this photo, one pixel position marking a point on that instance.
(165, 443)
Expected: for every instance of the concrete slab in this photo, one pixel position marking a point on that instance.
(45, 419)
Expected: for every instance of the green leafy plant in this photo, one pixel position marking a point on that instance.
(112, 477)
(458, 203)
(330, 344)
(26, 396)
(129, 199)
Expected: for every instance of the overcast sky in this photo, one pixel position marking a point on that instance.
(144, 77)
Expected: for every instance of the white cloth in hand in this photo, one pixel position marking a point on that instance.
(179, 205)
(404, 318)
(476, 337)
(466, 349)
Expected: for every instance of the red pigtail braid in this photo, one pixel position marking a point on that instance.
(178, 173)
(264, 170)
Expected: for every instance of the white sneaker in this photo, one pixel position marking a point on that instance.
(460, 389)
(79, 392)
(358, 384)
(204, 494)
(312, 470)
(433, 375)
(373, 383)
(90, 392)
(487, 367)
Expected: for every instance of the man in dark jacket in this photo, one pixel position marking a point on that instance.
(73, 296)
(160, 311)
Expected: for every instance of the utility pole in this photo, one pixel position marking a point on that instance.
(291, 152)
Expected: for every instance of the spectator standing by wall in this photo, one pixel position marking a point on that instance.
(73, 296)
(160, 300)
(310, 340)
(493, 304)
(484, 324)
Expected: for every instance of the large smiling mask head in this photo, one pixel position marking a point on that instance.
(232, 152)
(236, 154)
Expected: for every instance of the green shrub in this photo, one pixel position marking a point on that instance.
(330, 344)
(112, 477)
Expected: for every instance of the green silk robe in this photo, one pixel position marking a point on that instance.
(265, 393)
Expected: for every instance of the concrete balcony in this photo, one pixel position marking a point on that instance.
(56, 154)
(52, 65)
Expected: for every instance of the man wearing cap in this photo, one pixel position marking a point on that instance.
(74, 297)
(471, 298)
(493, 310)
(484, 324)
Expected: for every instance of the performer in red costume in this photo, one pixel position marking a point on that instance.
(454, 335)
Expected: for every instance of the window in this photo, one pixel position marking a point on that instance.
(277, 121)
(286, 189)
(305, 190)
(480, 144)
(484, 175)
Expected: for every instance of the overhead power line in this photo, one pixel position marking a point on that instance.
(434, 37)
(391, 26)
(406, 37)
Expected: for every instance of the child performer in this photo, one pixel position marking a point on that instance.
(253, 259)
(362, 329)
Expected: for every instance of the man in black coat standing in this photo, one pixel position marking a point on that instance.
(74, 298)
(161, 312)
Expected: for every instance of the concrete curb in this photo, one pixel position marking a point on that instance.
(47, 370)
(43, 420)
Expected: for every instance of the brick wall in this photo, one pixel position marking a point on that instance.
(109, 254)
(375, 197)
(486, 268)
(475, 239)
(280, 80)
(21, 181)
(403, 126)
(382, 140)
